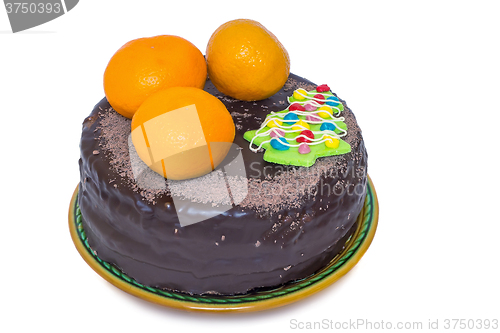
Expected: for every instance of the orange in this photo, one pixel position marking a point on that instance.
(246, 61)
(146, 65)
(182, 132)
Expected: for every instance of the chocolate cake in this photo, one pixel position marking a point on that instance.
(289, 222)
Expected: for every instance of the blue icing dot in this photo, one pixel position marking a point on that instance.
(332, 101)
(290, 118)
(277, 143)
(327, 127)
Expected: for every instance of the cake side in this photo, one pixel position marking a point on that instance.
(271, 238)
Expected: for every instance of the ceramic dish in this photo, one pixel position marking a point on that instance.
(355, 247)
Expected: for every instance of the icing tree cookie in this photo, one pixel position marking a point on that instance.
(309, 128)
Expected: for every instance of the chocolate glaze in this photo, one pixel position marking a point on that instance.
(242, 249)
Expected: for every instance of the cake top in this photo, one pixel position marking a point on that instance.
(265, 181)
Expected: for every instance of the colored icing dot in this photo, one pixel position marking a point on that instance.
(304, 149)
(332, 101)
(326, 112)
(327, 127)
(332, 142)
(307, 133)
(300, 125)
(277, 133)
(320, 97)
(296, 107)
(300, 94)
(310, 107)
(290, 118)
(279, 143)
(274, 123)
(312, 117)
(323, 88)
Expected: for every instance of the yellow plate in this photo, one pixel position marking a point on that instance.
(261, 300)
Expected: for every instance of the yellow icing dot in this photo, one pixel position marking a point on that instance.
(326, 112)
(332, 142)
(300, 94)
(274, 123)
(299, 126)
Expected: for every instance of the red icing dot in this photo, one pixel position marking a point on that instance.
(307, 133)
(296, 106)
(323, 88)
(319, 96)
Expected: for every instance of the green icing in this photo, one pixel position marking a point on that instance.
(292, 155)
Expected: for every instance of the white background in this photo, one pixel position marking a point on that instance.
(423, 78)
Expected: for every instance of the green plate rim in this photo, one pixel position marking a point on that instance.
(292, 291)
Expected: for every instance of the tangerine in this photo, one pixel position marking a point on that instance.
(246, 61)
(144, 66)
(182, 132)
